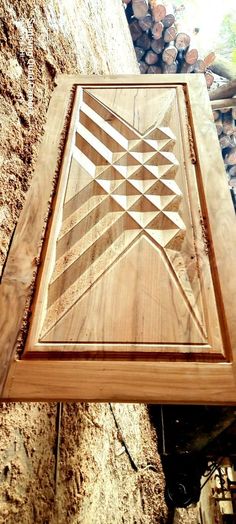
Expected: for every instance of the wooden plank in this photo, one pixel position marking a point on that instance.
(218, 210)
(223, 103)
(22, 261)
(47, 255)
(224, 67)
(116, 80)
(148, 382)
(226, 91)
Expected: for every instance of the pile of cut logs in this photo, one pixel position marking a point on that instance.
(225, 120)
(159, 47)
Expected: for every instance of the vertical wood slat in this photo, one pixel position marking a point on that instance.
(22, 260)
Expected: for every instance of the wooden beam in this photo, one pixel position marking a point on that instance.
(150, 382)
(223, 103)
(225, 91)
(223, 67)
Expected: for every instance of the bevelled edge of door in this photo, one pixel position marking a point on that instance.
(218, 212)
(125, 351)
(149, 382)
(16, 286)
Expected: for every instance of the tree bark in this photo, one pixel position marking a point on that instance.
(154, 70)
(145, 23)
(158, 45)
(168, 20)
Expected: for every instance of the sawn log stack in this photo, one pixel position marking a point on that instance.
(159, 47)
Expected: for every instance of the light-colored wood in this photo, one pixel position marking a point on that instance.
(154, 70)
(219, 126)
(223, 103)
(22, 261)
(209, 79)
(231, 157)
(143, 67)
(135, 30)
(136, 207)
(157, 30)
(148, 382)
(169, 54)
(140, 8)
(158, 11)
(144, 42)
(112, 127)
(182, 41)
(186, 68)
(224, 67)
(169, 34)
(221, 218)
(209, 59)
(169, 69)
(228, 123)
(199, 66)
(191, 55)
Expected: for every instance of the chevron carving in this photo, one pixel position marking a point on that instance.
(121, 185)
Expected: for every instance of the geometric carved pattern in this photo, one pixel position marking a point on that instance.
(120, 186)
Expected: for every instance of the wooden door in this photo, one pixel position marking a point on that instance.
(134, 234)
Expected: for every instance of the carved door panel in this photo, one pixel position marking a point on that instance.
(131, 300)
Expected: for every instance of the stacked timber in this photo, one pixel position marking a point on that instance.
(225, 121)
(159, 47)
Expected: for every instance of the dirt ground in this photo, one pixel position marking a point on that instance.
(102, 467)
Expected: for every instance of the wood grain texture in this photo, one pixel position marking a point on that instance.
(148, 382)
(118, 221)
(21, 263)
(223, 103)
(225, 91)
(122, 261)
(218, 211)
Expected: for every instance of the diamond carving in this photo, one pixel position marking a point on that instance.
(121, 185)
